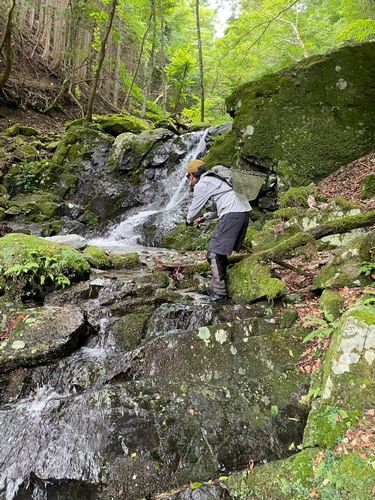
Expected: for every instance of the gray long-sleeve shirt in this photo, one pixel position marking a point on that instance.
(221, 193)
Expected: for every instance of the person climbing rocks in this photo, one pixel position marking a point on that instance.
(230, 231)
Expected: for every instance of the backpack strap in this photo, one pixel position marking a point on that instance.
(218, 176)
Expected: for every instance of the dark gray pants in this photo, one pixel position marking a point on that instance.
(228, 235)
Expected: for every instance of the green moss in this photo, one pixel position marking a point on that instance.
(196, 126)
(91, 218)
(12, 131)
(341, 205)
(368, 187)
(119, 124)
(250, 280)
(331, 304)
(160, 278)
(288, 247)
(181, 238)
(223, 150)
(97, 258)
(128, 332)
(125, 261)
(285, 213)
(34, 267)
(297, 197)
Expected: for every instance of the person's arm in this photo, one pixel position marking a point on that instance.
(202, 193)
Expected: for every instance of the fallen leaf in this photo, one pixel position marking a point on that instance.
(191, 411)
(251, 464)
(314, 494)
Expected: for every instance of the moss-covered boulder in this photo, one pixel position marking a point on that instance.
(33, 267)
(29, 131)
(26, 152)
(12, 131)
(331, 304)
(119, 124)
(223, 150)
(368, 187)
(345, 378)
(41, 335)
(251, 279)
(125, 261)
(344, 270)
(297, 197)
(129, 331)
(306, 121)
(197, 126)
(97, 258)
(337, 446)
(181, 238)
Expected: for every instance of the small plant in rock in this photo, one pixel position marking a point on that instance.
(24, 176)
(368, 267)
(323, 330)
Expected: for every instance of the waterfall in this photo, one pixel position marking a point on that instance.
(171, 200)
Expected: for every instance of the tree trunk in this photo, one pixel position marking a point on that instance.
(116, 76)
(135, 73)
(200, 59)
(59, 35)
(46, 37)
(100, 64)
(164, 89)
(6, 44)
(147, 87)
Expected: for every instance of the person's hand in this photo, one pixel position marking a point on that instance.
(200, 219)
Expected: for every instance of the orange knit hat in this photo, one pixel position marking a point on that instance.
(193, 165)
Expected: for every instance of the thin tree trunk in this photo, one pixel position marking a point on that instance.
(200, 59)
(164, 86)
(135, 73)
(180, 89)
(46, 38)
(116, 77)
(6, 43)
(147, 88)
(100, 64)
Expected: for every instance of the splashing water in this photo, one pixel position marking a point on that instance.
(171, 201)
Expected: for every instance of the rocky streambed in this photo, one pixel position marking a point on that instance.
(122, 386)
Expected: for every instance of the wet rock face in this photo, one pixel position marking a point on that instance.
(35, 337)
(178, 408)
(306, 121)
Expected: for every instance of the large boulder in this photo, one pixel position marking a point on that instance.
(338, 450)
(251, 279)
(345, 269)
(306, 121)
(40, 335)
(32, 267)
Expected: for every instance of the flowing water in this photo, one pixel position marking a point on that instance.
(53, 429)
(170, 205)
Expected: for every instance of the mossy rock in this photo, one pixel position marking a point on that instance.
(33, 267)
(97, 258)
(12, 131)
(160, 279)
(40, 336)
(297, 197)
(181, 238)
(119, 124)
(331, 304)
(297, 478)
(2, 154)
(223, 150)
(286, 213)
(129, 331)
(368, 187)
(308, 120)
(286, 318)
(197, 126)
(163, 296)
(250, 280)
(345, 384)
(29, 131)
(125, 261)
(344, 270)
(25, 153)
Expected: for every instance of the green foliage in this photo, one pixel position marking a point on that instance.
(324, 329)
(24, 176)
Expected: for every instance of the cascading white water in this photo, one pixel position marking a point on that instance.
(167, 208)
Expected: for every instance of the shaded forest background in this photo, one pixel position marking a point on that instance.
(143, 56)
